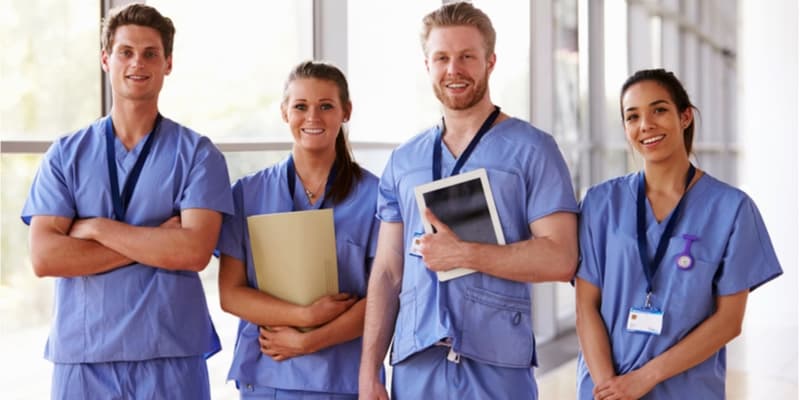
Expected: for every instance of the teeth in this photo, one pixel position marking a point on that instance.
(137, 77)
(311, 131)
(653, 139)
(457, 85)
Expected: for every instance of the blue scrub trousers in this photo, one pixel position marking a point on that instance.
(429, 375)
(251, 392)
(182, 378)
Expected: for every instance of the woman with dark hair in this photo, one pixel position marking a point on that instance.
(668, 257)
(273, 356)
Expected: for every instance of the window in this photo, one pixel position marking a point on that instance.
(50, 82)
(230, 61)
(389, 86)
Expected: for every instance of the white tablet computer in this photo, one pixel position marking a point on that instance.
(463, 202)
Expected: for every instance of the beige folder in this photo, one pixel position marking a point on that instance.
(295, 254)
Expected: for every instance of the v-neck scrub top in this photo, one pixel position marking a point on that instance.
(733, 253)
(135, 312)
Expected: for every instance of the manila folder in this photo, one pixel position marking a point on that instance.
(295, 254)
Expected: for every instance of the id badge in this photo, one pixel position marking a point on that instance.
(645, 320)
(414, 247)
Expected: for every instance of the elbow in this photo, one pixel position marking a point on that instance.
(567, 268)
(734, 331)
(41, 270)
(225, 302)
(192, 261)
(42, 266)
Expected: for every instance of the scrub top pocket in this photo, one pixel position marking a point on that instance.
(497, 329)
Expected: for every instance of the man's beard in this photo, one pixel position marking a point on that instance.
(463, 102)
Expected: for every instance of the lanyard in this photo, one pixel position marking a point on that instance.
(641, 236)
(437, 147)
(290, 180)
(122, 201)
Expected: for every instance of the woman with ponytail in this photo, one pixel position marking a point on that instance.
(274, 356)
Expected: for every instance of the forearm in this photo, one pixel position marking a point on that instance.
(703, 342)
(54, 253)
(261, 309)
(186, 245)
(532, 260)
(69, 257)
(344, 328)
(551, 254)
(381, 312)
(595, 344)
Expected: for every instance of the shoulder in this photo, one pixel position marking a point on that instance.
(720, 195)
(271, 176)
(603, 193)
(170, 128)
(419, 142)
(91, 135)
(518, 132)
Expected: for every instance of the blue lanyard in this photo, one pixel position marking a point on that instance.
(121, 202)
(437, 147)
(290, 180)
(641, 230)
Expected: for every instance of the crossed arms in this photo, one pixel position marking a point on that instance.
(63, 247)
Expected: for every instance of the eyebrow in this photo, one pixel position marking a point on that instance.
(651, 104)
(128, 46)
(305, 100)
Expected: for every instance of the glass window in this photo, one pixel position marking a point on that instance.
(566, 127)
(50, 67)
(25, 300)
(613, 153)
(389, 86)
(391, 91)
(510, 82)
(230, 61)
(50, 85)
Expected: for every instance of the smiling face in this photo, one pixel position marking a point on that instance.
(315, 113)
(458, 66)
(137, 65)
(653, 124)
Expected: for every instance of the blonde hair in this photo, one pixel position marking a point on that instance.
(459, 14)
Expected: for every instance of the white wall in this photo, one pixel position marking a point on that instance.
(768, 128)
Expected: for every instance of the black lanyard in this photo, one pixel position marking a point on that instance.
(121, 202)
(641, 236)
(462, 159)
(290, 180)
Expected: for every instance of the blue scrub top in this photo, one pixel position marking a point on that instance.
(136, 312)
(486, 318)
(334, 369)
(733, 253)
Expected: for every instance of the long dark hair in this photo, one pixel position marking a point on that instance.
(348, 172)
(677, 92)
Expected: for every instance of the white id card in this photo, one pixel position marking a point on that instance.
(645, 320)
(414, 247)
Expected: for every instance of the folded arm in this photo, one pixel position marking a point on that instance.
(187, 247)
(551, 254)
(262, 309)
(284, 342)
(54, 253)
